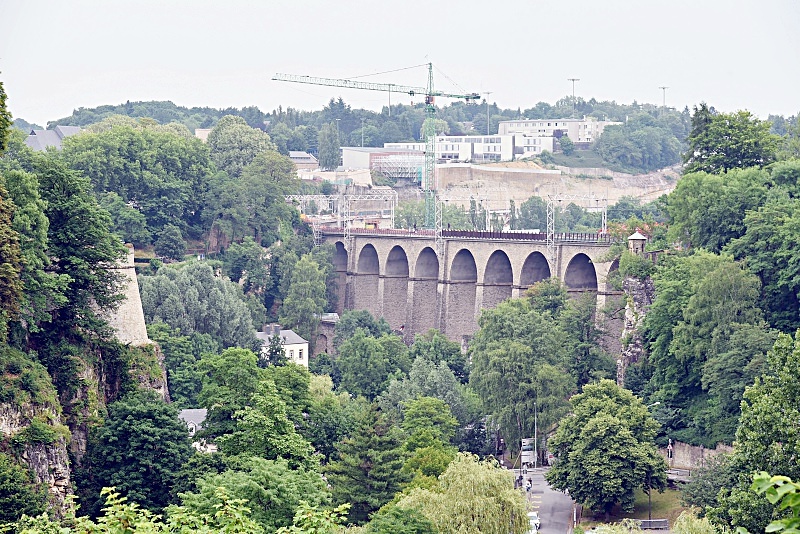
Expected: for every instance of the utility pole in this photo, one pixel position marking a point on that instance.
(488, 121)
(664, 93)
(573, 80)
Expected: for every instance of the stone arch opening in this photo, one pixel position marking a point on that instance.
(498, 280)
(426, 295)
(535, 269)
(461, 295)
(464, 268)
(368, 262)
(340, 267)
(581, 274)
(395, 287)
(427, 266)
(612, 269)
(365, 282)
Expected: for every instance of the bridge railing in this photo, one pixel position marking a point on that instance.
(581, 237)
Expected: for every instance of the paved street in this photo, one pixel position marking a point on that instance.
(555, 508)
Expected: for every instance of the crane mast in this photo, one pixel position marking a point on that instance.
(433, 215)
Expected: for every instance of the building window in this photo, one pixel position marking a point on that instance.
(291, 355)
(300, 355)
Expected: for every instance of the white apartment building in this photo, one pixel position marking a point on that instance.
(295, 348)
(585, 130)
(482, 148)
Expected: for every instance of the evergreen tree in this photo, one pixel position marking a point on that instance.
(329, 147)
(366, 472)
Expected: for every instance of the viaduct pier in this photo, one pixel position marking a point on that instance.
(417, 282)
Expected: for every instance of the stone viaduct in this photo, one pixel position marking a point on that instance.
(400, 276)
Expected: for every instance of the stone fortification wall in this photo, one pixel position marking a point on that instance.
(128, 320)
(685, 456)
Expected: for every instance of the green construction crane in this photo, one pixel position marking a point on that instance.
(432, 216)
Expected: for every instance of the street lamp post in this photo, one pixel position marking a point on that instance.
(535, 438)
(573, 80)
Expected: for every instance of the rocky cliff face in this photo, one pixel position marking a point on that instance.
(640, 295)
(32, 429)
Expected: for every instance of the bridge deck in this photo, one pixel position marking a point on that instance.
(569, 237)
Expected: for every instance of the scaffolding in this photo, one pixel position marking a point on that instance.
(559, 198)
(400, 166)
(343, 206)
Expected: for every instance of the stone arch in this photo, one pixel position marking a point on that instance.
(365, 281)
(427, 266)
(535, 269)
(395, 287)
(460, 321)
(581, 274)
(464, 268)
(611, 269)
(425, 294)
(340, 267)
(498, 279)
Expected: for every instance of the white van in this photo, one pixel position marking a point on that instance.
(526, 453)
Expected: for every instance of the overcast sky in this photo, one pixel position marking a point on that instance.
(59, 55)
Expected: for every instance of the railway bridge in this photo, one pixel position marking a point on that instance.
(404, 277)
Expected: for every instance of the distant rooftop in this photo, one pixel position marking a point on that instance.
(39, 140)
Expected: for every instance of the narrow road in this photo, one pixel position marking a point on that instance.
(554, 507)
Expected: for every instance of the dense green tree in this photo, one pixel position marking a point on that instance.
(519, 368)
(80, 245)
(5, 120)
(435, 347)
(471, 497)
(330, 416)
(768, 438)
(129, 223)
(351, 320)
(160, 172)
(707, 339)
(138, 449)
(305, 300)
(642, 144)
(567, 146)
(533, 215)
(605, 449)
(181, 356)
(246, 263)
(720, 142)
(429, 379)
(272, 488)
(263, 429)
(230, 380)
(587, 359)
(703, 490)
(367, 363)
(234, 144)
(192, 299)
(264, 182)
(18, 494)
(329, 147)
(431, 415)
(170, 243)
(768, 248)
(10, 265)
(366, 471)
(707, 210)
(394, 520)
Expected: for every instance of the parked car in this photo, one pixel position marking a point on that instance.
(533, 519)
